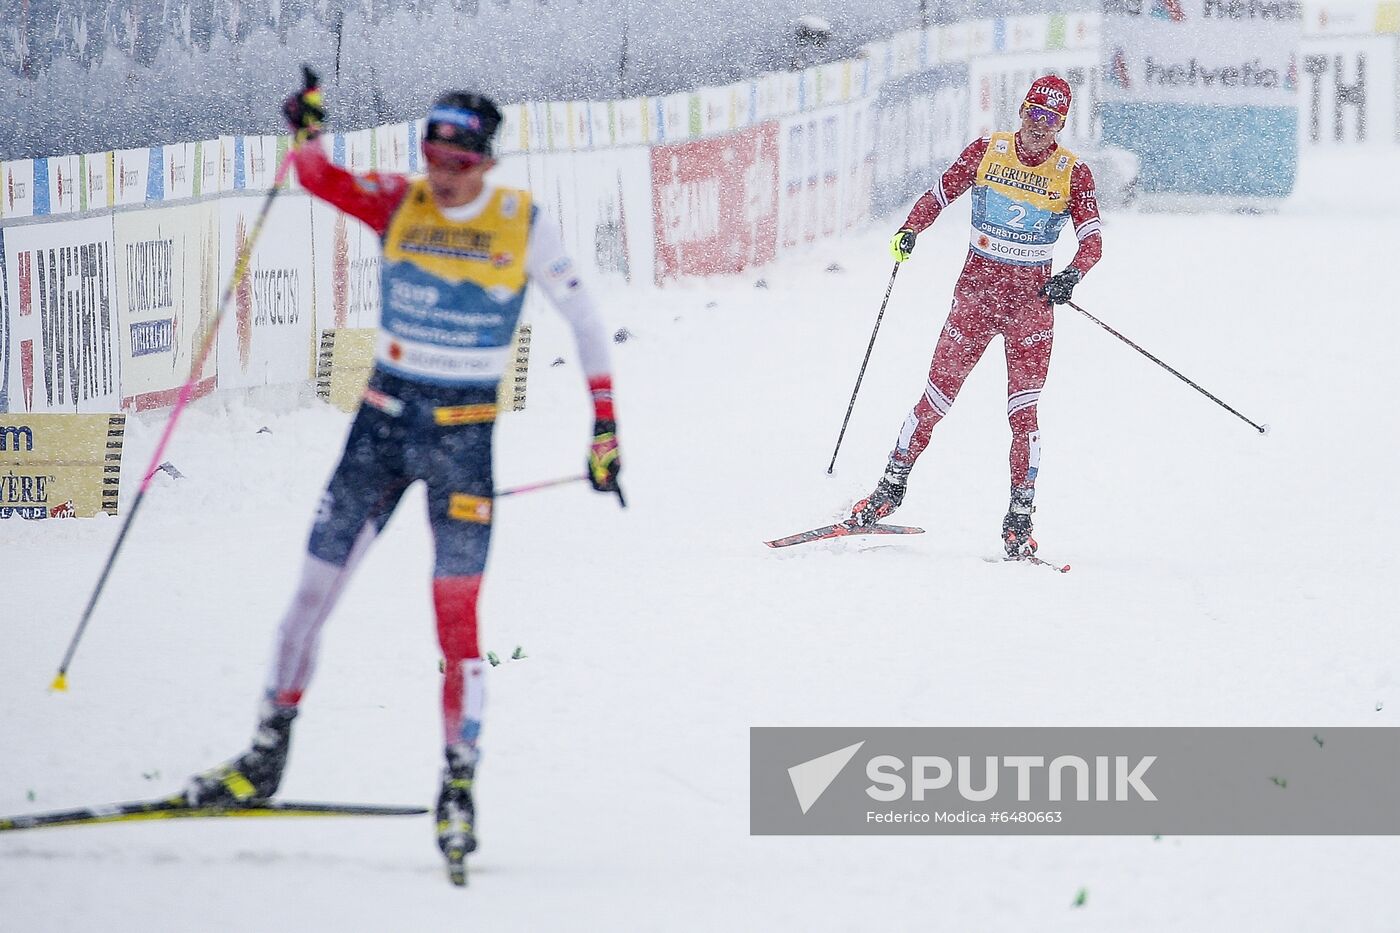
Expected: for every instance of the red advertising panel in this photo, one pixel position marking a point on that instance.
(715, 203)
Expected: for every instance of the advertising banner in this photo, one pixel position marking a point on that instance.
(17, 199)
(258, 157)
(96, 184)
(391, 148)
(60, 466)
(920, 126)
(633, 123)
(132, 176)
(56, 186)
(1023, 34)
(61, 294)
(715, 203)
(5, 329)
(674, 118)
(601, 202)
(1205, 92)
(1350, 91)
(826, 166)
(602, 118)
(181, 171)
(267, 339)
(347, 262)
(167, 272)
(717, 110)
(946, 45)
(513, 136)
(208, 177)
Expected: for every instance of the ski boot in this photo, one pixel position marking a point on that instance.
(254, 775)
(1016, 526)
(888, 494)
(456, 814)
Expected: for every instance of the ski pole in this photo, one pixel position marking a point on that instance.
(1261, 428)
(544, 484)
(861, 375)
(240, 269)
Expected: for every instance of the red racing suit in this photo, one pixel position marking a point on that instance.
(1019, 208)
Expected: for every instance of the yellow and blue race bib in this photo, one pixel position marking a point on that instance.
(452, 291)
(1018, 210)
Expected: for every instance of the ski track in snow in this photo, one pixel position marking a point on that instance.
(1220, 578)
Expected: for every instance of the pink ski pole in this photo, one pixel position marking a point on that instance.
(543, 484)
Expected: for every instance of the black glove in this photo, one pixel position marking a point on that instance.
(604, 464)
(305, 110)
(902, 244)
(1060, 288)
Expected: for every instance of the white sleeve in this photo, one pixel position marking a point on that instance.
(550, 267)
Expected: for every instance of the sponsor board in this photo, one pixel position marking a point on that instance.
(674, 118)
(96, 185)
(207, 168)
(265, 337)
(1201, 52)
(17, 198)
(391, 148)
(167, 277)
(5, 343)
(826, 166)
(1350, 91)
(60, 465)
(258, 158)
(512, 136)
(56, 185)
(920, 126)
(717, 110)
(347, 259)
(601, 202)
(346, 357)
(61, 295)
(1219, 79)
(359, 150)
(715, 204)
(180, 172)
(633, 126)
(132, 176)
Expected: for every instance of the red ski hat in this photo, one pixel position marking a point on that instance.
(1050, 92)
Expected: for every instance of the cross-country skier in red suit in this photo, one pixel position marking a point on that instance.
(1025, 188)
(458, 256)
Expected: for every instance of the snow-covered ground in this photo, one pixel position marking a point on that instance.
(1220, 578)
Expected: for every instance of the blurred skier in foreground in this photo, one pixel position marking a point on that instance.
(458, 255)
(1025, 188)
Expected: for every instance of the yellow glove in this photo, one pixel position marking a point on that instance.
(902, 244)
